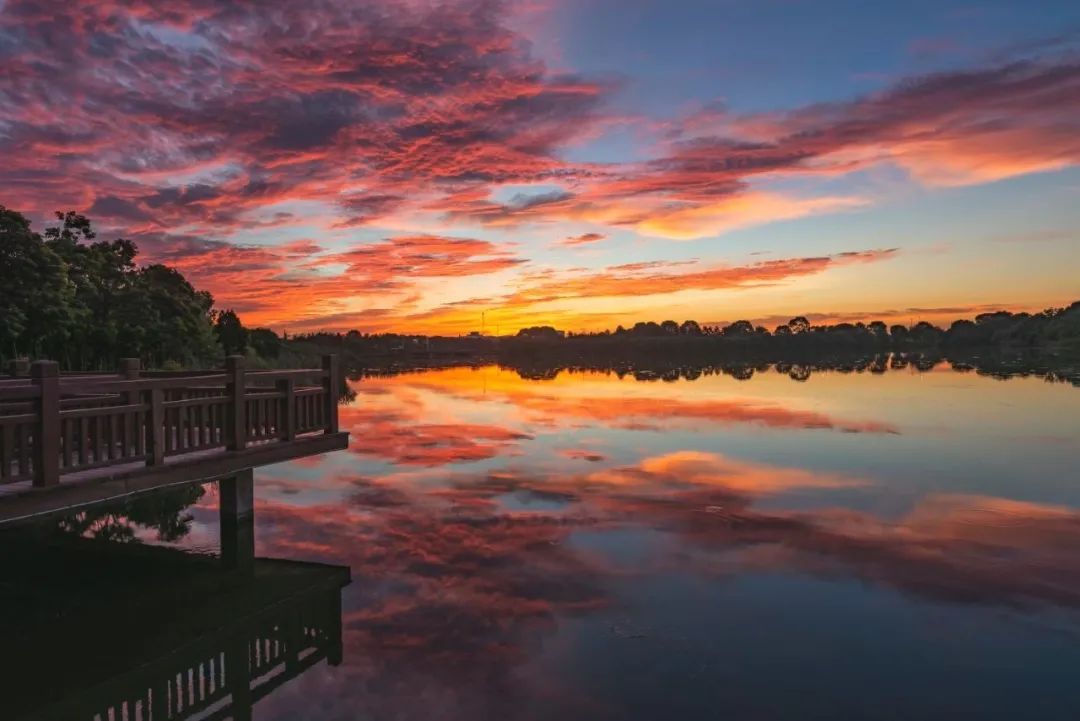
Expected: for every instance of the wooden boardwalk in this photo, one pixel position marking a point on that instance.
(161, 636)
(71, 439)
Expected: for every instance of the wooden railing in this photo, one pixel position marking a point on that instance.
(53, 424)
(240, 655)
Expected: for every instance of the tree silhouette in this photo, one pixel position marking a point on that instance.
(86, 303)
(690, 327)
(35, 292)
(799, 324)
(739, 328)
(230, 332)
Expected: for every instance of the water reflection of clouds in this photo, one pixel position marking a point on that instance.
(441, 419)
(456, 588)
(465, 545)
(479, 521)
(607, 401)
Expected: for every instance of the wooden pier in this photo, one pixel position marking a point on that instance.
(68, 440)
(154, 633)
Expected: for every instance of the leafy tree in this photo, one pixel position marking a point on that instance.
(35, 293)
(799, 324)
(266, 343)
(647, 329)
(670, 327)
(86, 303)
(231, 333)
(176, 319)
(739, 328)
(690, 327)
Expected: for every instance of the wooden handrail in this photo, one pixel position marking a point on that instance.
(19, 393)
(18, 419)
(289, 373)
(101, 412)
(53, 424)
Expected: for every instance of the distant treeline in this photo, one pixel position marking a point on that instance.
(669, 369)
(1054, 331)
(1058, 327)
(67, 296)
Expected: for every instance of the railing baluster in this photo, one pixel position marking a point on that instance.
(156, 434)
(287, 409)
(113, 428)
(99, 439)
(7, 448)
(83, 438)
(24, 449)
(185, 415)
(237, 416)
(141, 429)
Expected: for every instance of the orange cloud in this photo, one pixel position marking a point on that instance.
(566, 407)
(623, 283)
(398, 117)
(408, 441)
(712, 469)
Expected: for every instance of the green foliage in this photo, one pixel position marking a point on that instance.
(86, 303)
(265, 343)
(36, 294)
(230, 332)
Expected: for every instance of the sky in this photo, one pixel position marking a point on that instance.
(447, 167)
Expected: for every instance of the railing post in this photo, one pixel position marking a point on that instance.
(46, 376)
(129, 369)
(287, 418)
(237, 415)
(332, 386)
(156, 422)
(238, 677)
(18, 368)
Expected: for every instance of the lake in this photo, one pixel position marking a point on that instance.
(580, 545)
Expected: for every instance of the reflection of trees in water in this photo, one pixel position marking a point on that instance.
(345, 393)
(671, 369)
(161, 511)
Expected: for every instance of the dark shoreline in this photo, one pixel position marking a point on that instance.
(799, 367)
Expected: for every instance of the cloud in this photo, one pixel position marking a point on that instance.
(582, 454)
(195, 125)
(583, 239)
(636, 281)
(425, 256)
(738, 211)
(408, 441)
(287, 285)
(555, 407)
(698, 468)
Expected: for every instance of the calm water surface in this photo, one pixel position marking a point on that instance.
(880, 546)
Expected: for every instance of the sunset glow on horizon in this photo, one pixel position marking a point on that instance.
(414, 166)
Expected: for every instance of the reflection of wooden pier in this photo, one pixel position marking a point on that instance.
(73, 439)
(142, 655)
